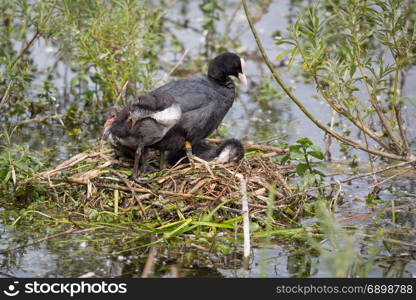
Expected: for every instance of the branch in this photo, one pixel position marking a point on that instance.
(137, 190)
(26, 48)
(41, 119)
(255, 147)
(396, 145)
(303, 108)
(402, 164)
(6, 94)
(339, 109)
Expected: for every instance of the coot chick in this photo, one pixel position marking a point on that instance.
(132, 129)
(230, 150)
(204, 102)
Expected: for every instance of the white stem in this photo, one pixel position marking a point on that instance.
(245, 213)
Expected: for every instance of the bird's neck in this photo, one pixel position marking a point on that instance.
(222, 80)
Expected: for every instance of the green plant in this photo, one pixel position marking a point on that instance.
(115, 41)
(211, 11)
(17, 162)
(343, 47)
(342, 256)
(97, 54)
(304, 151)
(21, 22)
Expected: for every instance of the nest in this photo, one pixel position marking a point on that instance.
(181, 191)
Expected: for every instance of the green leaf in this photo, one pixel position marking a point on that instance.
(316, 148)
(305, 142)
(292, 58)
(301, 169)
(280, 42)
(282, 54)
(316, 154)
(176, 231)
(294, 148)
(296, 152)
(280, 159)
(211, 224)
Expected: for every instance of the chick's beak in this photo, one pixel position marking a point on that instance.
(243, 78)
(106, 129)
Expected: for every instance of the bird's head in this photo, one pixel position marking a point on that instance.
(227, 64)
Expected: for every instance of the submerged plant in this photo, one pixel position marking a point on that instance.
(342, 256)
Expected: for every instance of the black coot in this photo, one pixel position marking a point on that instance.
(204, 101)
(230, 150)
(132, 129)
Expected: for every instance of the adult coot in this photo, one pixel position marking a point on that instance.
(230, 150)
(132, 129)
(204, 101)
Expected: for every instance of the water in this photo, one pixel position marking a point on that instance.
(74, 255)
(276, 118)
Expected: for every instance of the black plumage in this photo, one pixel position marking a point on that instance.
(139, 125)
(204, 101)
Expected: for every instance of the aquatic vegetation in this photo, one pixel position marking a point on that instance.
(337, 47)
(343, 256)
(114, 42)
(98, 54)
(304, 150)
(17, 162)
(177, 202)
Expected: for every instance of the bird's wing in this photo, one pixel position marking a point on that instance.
(201, 122)
(157, 105)
(154, 101)
(191, 94)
